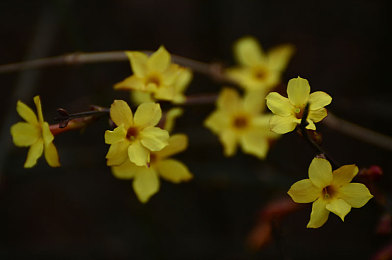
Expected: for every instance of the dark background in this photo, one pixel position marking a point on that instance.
(80, 211)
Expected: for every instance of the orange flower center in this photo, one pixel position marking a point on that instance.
(299, 112)
(329, 192)
(153, 79)
(132, 133)
(240, 122)
(260, 73)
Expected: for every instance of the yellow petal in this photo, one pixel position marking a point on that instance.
(51, 155)
(282, 125)
(146, 183)
(138, 62)
(173, 170)
(355, 194)
(248, 52)
(138, 154)
(171, 117)
(25, 134)
(319, 214)
(310, 125)
(118, 153)
(254, 101)
(317, 115)
(159, 60)
(229, 141)
(344, 175)
(120, 113)
(148, 114)
(37, 102)
(183, 79)
(130, 83)
(319, 100)
(125, 171)
(279, 56)
(304, 191)
(217, 122)
(167, 92)
(46, 133)
(176, 144)
(279, 105)
(154, 138)
(26, 113)
(139, 97)
(229, 100)
(320, 172)
(117, 135)
(254, 142)
(298, 90)
(339, 207)
(34, 153)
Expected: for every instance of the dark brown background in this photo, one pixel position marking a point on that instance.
(81, 211)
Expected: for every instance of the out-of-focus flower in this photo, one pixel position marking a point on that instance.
(289, 111)
(35, 133)
(257, 70)
(241, 121)
(135, 135)
(180, 85)
(329, 191)
(156, 76)
(146, 179)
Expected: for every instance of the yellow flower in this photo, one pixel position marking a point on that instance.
(329, 191)
(289, 111)
(256, 70)
(241, 121)
(146, 179)
(135, 135)
(36, 134)
(155, 74)
(180, 85)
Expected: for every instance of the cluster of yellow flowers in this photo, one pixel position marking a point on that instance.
(140, 150)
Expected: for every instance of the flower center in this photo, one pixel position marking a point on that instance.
(260, 73)
(240, 122)
(153, 79)
(299, 112)
(132, 133)
(328, 192)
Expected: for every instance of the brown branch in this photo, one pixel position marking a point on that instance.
(358, 132)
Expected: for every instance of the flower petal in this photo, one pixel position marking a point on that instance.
(339, 207)
(319, 214)
(173, 170)
(147, 114)
(217, 121)
(118, 153)
(146, 183)
(51, 155)
(118, 134)
(37, 102)
(154, 138)
(24, 134)
(159, 60)
(229, 140)
(183, 79)
(304, 191)
(171, 117)
(310, 125)
(355, 194)
(138, 62)
(254, 101)
(125, 171)
(120, 113)
(138, 154)
(282, 125)
(248, 52)
(279, 105)
(130, 83)
(317, 115)
(255, 142)
(176, 144)
(279, 56)
(26, 113)
(320, 172)
(298, 90)
(46, 133)
(34, 153)
(344, 175)
(319, 99)
(229, 100)
(167, 92)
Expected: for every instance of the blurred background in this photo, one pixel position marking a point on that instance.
(80, 211)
